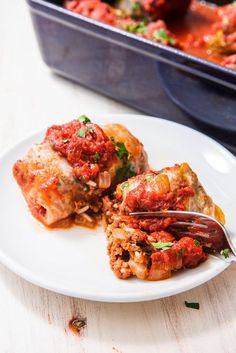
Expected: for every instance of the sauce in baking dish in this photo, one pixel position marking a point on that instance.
(195, 27)
(191, 29)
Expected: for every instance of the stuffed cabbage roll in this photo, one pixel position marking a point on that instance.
(75, 165)
(146, 247)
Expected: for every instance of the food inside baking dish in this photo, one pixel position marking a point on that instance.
(195, 27)
(77, 163)
(146, 247)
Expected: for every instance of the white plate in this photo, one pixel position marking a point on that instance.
(74, 262)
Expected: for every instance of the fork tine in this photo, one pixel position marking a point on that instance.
(195, 225)
(206, 236)
(155, 213)
(188, 222)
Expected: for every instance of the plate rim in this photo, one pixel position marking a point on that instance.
(29, 276)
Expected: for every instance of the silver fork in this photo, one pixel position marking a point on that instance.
(210, 232)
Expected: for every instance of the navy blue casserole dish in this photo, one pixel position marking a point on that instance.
(151, 77)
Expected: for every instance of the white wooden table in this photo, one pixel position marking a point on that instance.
(34, 320)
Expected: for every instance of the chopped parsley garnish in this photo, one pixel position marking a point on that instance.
(139, 27)
(120, 149)
(192, 305)
(97, 157)
(225, 252)
(160, 245)
(113, 140)
(135, 6)
(65, 140)
(196, 242)
(125, 172)
(81, 133)
(162, 35)
(125, 185)
(90, 129)
(225, 21)
(84, 119)
(148, 178)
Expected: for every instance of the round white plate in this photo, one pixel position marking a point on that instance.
(74, 262)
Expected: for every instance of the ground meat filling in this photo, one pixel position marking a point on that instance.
(148, 224)
(134, 253)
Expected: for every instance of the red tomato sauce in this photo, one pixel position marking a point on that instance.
(84, 145)
(184, 253)
(141, 199)
(191, 29)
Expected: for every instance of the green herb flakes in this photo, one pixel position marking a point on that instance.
(125, 185)
(225, 252)
(135, 6)
(81, 133)
(112, 140)
(196, 242)
(84, 119)
(148, 178)
(125, 172)
(121, 151)
(97, 157)
(161, 35)
(139, 27)
(192, 305)
(225, 21)
(163, 245)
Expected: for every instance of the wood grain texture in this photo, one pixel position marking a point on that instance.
(36, 320)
